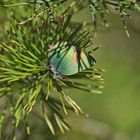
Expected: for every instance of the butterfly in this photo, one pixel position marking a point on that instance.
(68, 60)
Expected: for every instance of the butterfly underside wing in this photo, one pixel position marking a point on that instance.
(68, 60)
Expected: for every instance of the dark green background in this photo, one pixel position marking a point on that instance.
(115, 114)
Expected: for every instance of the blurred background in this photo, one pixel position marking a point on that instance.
(115, 114)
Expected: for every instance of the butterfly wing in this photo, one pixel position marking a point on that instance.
(68, 61)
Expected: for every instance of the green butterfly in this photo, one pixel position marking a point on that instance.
(67, 60)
